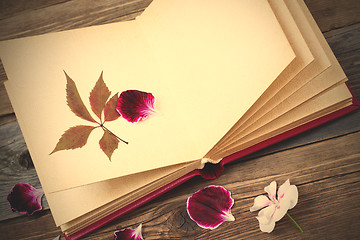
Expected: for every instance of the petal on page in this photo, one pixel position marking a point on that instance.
(135, 106)
(24, 198)
(210, 206)
(128, 234)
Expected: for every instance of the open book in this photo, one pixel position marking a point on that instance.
(218, 79)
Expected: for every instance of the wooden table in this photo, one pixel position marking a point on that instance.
(323, 163)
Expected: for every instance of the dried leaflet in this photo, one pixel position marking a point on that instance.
(76, 137)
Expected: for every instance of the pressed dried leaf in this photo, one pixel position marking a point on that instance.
(74, 101)
(108, 143)
(210, 207)
(74, 137)
(98, 96)
(24, 198)
(110, 109)
(128, 234)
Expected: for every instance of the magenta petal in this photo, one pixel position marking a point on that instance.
(134, 105)
(210, 206)
(211, 171)
(129, 234)
(24, 198)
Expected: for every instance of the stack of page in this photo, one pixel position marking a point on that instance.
(208, 79)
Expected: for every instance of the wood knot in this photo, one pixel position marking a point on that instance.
(25, 160)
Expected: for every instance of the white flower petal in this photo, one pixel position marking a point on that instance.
(265, 215)
(291, 195)
(271, 190)
(266, 227)
(281, 210)
(260, 202)
(282, 189)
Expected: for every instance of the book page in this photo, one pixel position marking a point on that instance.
(322, 80)
(72, 203)
(327, 102)
(203, 80)
(227, 41)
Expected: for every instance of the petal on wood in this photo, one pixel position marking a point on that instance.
(271, 191)
(128, 234)
(74, 137)
(74, 101)
(98, 96)
(211, 206)
(108, 143)
(260, 202)
(110, 109)
(24, 198)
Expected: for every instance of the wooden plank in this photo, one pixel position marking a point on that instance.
(39, 226)
(15, 166)
(327, 178)
(326, 173)
(69, 15)
(5, 105)
(333, 14)
(9, 8)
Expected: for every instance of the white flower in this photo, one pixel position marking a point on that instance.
(275, 206)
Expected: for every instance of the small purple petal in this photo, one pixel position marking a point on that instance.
(210, 206)
(135, 106)
(24, 198)
(211, 171)
(129, 234)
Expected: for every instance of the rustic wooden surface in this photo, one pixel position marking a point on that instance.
(323, 163)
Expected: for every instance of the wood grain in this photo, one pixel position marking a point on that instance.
(323, 163)
(321, 171)
(333, 14)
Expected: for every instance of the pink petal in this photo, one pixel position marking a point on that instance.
(210, 206)
(260, 202)
(129, 234)
(211, 171)
(134, 105)
(24, 198)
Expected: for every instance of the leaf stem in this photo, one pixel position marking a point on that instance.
(295, 222)
(101, 125)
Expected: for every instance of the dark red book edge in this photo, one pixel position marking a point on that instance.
(214, 173)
